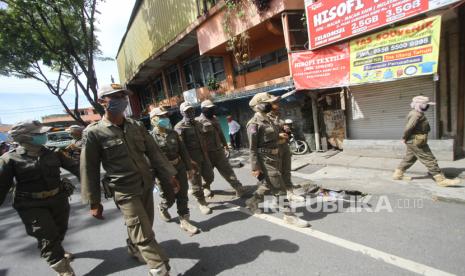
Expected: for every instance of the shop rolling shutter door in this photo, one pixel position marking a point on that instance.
(378, 111)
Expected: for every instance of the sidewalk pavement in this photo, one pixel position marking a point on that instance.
(337, 171)
(370, 175)
(339, 159)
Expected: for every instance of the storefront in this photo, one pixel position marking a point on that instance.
(376, 74)
(379, 110)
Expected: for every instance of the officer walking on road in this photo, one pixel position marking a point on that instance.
(41, 196)
(131, 159)
(284, 152)
(216, 146)
(190, 132)
(265, 160)
(173, 147)
(415, 137)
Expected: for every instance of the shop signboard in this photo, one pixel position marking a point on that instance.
(406, 51)
(332, 21)
(322, 68)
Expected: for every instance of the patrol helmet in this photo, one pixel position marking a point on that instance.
(74, 127)
(207, 104)
(185, 106)
(422, 100)
(112, 88)
(28, 127)
(158, 111)
(263, 98)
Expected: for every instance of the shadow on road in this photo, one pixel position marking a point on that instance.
(221, 220)
(80, 218)
(13, 233)
(216, 259)
(114, 260)
(453, 172)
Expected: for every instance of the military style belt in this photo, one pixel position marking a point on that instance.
(38, 195)
(175, 161)
(268, 151)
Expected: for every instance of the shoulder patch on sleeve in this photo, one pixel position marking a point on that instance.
(90, 125)
(178, 128)
(252, 128)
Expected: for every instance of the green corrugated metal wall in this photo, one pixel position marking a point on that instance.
(156, 24)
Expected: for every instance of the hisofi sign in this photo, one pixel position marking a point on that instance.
(330, 21)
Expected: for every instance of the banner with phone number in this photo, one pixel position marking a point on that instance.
(332, 21)
(405, 51)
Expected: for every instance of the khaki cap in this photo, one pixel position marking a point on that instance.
(28, 127)
(159, 111)
(77, 127)
(185, 106)
(263, 98)
(422, 100)
(112, 88)
(207, 104)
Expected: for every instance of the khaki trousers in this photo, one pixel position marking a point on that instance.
(220, 162)
(138, 213)
(422, 153)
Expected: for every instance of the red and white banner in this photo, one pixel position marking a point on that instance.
(328, 67)
(335, 20)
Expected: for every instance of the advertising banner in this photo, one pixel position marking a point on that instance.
(328, 67)
(405, 51)
(335, 20)
(190, 96)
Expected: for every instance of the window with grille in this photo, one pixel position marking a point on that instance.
(174, 81)
(263, 62)
(198, 69)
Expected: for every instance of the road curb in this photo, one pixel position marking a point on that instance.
(433, 197)
(415, 173)
(448, 199)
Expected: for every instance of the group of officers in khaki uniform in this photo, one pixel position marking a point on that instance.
(132, 158)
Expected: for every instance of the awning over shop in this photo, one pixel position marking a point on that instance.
(277, 89)
(167, 56)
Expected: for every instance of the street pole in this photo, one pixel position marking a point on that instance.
(316, 127)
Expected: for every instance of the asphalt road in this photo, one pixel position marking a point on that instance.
(407, 236)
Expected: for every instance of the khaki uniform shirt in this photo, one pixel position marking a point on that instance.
(263, 137)
(129, 155)
(212, 133)
(276, 119)
(75, 148)
(33, 174)
(416, 124)
(190, 133)
(172, 146)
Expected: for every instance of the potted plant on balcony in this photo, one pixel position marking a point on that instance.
(213, 85)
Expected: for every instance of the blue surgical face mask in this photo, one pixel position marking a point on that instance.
(39, 140)
(117, 105)
(164, 123)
